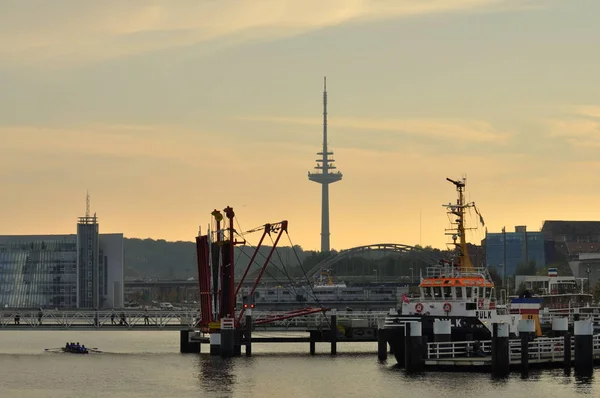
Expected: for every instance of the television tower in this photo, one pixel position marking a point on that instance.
(325, 175)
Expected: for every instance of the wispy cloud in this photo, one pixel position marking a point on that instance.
(119, 141)
(580, 127)
(449, 129)
(75, 31)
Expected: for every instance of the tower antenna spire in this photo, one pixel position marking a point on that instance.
(87, 203)
(325, 175)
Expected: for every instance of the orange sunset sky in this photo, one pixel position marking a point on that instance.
(165, 110)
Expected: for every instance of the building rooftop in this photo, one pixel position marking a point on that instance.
(583, 247)
(552, 228)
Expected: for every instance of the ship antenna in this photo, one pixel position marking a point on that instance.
(458, 211)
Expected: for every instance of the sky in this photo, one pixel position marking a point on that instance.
(166, 110)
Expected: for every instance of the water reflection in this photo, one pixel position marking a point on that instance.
(216, 374)
(584, 384)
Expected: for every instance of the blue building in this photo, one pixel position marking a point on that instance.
(521, 247)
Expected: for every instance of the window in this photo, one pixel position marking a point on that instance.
(426, 292)
(447, 292)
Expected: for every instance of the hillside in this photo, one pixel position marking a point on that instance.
(148, 258)
(177, 260)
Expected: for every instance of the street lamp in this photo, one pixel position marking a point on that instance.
(588, 279)
(376, 276)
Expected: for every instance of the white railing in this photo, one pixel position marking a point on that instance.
(320, 320)
(53, 319)
(448, 271)
(160, 319)
(456, 349)
(547, 317)
(541, 348)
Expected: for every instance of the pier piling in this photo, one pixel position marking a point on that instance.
(227, 337)
(248, 332)
(584, 347)
(413, 347)
(500, 350)
(442, 331)
(215, 343)
(382, 344)
(560, 326)
(185, 345)
(567, 352)
(333, 332)
(526, 333)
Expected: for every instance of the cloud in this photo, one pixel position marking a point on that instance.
(118, 141)
(155, 145)
(73, 31)
(449, 129)
(580, 127)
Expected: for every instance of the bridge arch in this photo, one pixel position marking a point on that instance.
(331, 261)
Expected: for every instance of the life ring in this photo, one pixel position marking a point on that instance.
(480, 303)
(419, 307)
(447, 307)
(492, 305)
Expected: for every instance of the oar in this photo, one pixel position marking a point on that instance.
(94, 350)
(52, 349)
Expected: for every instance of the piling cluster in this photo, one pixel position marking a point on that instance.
(415, 353)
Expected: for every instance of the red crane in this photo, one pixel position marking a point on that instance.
(216, 272)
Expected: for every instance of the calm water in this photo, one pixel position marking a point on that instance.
(148, 364)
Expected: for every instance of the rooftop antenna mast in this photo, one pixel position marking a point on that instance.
(87, 204)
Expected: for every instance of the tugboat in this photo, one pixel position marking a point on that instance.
(452, 290)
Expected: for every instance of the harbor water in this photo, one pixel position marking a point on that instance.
(148, 364)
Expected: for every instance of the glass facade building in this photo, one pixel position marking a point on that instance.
(88, 260)
(522, 246)
(84, 270)
(38, 271)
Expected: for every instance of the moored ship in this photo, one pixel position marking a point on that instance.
(452, 290)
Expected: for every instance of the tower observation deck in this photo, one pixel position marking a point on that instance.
(325, 174)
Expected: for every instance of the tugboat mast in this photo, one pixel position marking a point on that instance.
(457, 212)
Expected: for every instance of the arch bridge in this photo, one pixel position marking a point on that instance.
(420, 258)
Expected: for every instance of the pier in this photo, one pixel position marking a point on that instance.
(156, 320)
(575, 346)
(332, 327)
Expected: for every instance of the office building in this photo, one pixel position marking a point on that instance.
(521, 247)
(83, 270)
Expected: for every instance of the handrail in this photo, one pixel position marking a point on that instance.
(541, 348)
(156, 319)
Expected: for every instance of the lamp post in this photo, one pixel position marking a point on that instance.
(588, 279)
(376, 276)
